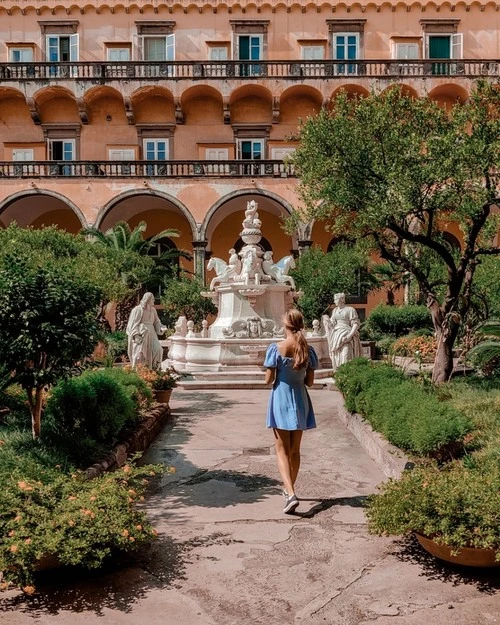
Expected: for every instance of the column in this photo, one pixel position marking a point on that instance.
(199, 248)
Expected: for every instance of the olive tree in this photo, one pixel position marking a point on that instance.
(393, 170)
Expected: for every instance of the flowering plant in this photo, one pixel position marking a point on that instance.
(159, 379)
(422, 348)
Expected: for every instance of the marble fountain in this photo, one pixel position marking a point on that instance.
(251, 292)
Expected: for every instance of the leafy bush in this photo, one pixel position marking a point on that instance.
(182, 298)
(158, 379)
(398, 320)
(319, 276)
(421, 347)
(136, 386)
(455, 506)
(92, 409)
(399, 408)
(115, 346)
(79, 521)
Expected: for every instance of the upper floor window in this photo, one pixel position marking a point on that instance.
(61, 40)
(218, 53)
(21, 54)
(312, 52)
(250, 149)
(406, 51)
(155, 43)
(22, 154)
(347, 43)
(117, 54)
(61, 149)
(442, 42)
(249, 44)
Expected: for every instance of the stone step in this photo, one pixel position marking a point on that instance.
(228, 384)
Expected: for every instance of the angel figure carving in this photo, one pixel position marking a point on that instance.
(279, 271)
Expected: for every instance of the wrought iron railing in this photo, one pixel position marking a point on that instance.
(146, 169)
(247, 70)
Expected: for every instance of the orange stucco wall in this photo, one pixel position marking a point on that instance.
(195, 114)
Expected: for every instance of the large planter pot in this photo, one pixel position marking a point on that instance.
(163, 396)
(467, 556)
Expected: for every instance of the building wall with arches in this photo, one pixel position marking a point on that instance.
(204, 105)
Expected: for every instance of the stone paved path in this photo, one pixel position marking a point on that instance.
(228, 556)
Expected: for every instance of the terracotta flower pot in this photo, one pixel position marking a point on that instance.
(467, 556)
(163, 396)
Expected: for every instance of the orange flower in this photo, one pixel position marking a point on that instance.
(29, 590)
(132, 539)
(126, 469)
(125, 533)
(28, 541)
(12, 533)
(24, 486)
(138, 527)
(14, 548)
(71, 523)
(71, 498)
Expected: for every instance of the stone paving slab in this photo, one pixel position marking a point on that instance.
(227, 555)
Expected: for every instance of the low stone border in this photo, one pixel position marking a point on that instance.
(389, 459)
(139, 440)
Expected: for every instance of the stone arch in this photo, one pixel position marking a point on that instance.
(299, 102)
(405, 90)
(50, 208)
(222, 224)
(153, 104)
(352, 90)
(56, 104)
(105, 106)
(202, 105)
(448, 95)
(251, 104)
(177, 207)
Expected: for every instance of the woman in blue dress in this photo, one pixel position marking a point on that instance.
(290, 368)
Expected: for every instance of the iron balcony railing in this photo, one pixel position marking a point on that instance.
(245, 70)
(146, 169)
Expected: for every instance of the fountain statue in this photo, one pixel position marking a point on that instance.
(252, 293)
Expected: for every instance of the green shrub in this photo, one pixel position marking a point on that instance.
(115, 344)
(138, 389)
(456, 506)
(91, 408)
(81, 521)
(399, 408)
(398, 320)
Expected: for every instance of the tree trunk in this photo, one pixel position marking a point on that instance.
(123, 310)
(36, 410)
(443, 362)
(390, 297)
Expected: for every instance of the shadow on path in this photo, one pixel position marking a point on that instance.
(486, 580)
(122, 582)
(359, 501)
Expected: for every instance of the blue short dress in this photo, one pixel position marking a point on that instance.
(290, 407)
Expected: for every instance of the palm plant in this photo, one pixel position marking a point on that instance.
(122, 238)
(485, 355)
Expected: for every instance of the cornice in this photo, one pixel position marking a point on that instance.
(70, 7)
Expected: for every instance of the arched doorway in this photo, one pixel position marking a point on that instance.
(39, 209)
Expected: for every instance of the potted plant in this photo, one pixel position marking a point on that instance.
(160, 381)
(454, 511)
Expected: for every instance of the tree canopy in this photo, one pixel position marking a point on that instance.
(394, 171)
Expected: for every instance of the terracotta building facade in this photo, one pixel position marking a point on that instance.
(177, 113)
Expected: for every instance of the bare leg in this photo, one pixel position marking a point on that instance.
(295, 440)
(282, 444)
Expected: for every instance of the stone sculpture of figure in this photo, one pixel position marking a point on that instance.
(252, 216)
(225, 271)
(279, 271)
(342, 331)
(250, 266)
(143, 328)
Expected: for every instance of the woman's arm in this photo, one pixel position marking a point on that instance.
(309, 379)
(270, 376)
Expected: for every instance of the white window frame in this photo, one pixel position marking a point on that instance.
(214, 53)
(339, 69)
(259, 36)
(456, 44)
(280, 153)
(239, 146)
(312, 52)
(156, 166)
(405, 67)
(74, 46)
(111, 49)
(21, 50)
(23, 154)
(221, 154)
(157, 68)
(50, 143)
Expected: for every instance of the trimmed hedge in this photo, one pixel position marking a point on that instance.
(399, 408)
(398, 320)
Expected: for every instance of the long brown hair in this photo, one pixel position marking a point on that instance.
(294, 321)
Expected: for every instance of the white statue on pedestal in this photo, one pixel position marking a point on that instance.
(279, 271)
(342, 331)
(143, 328)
